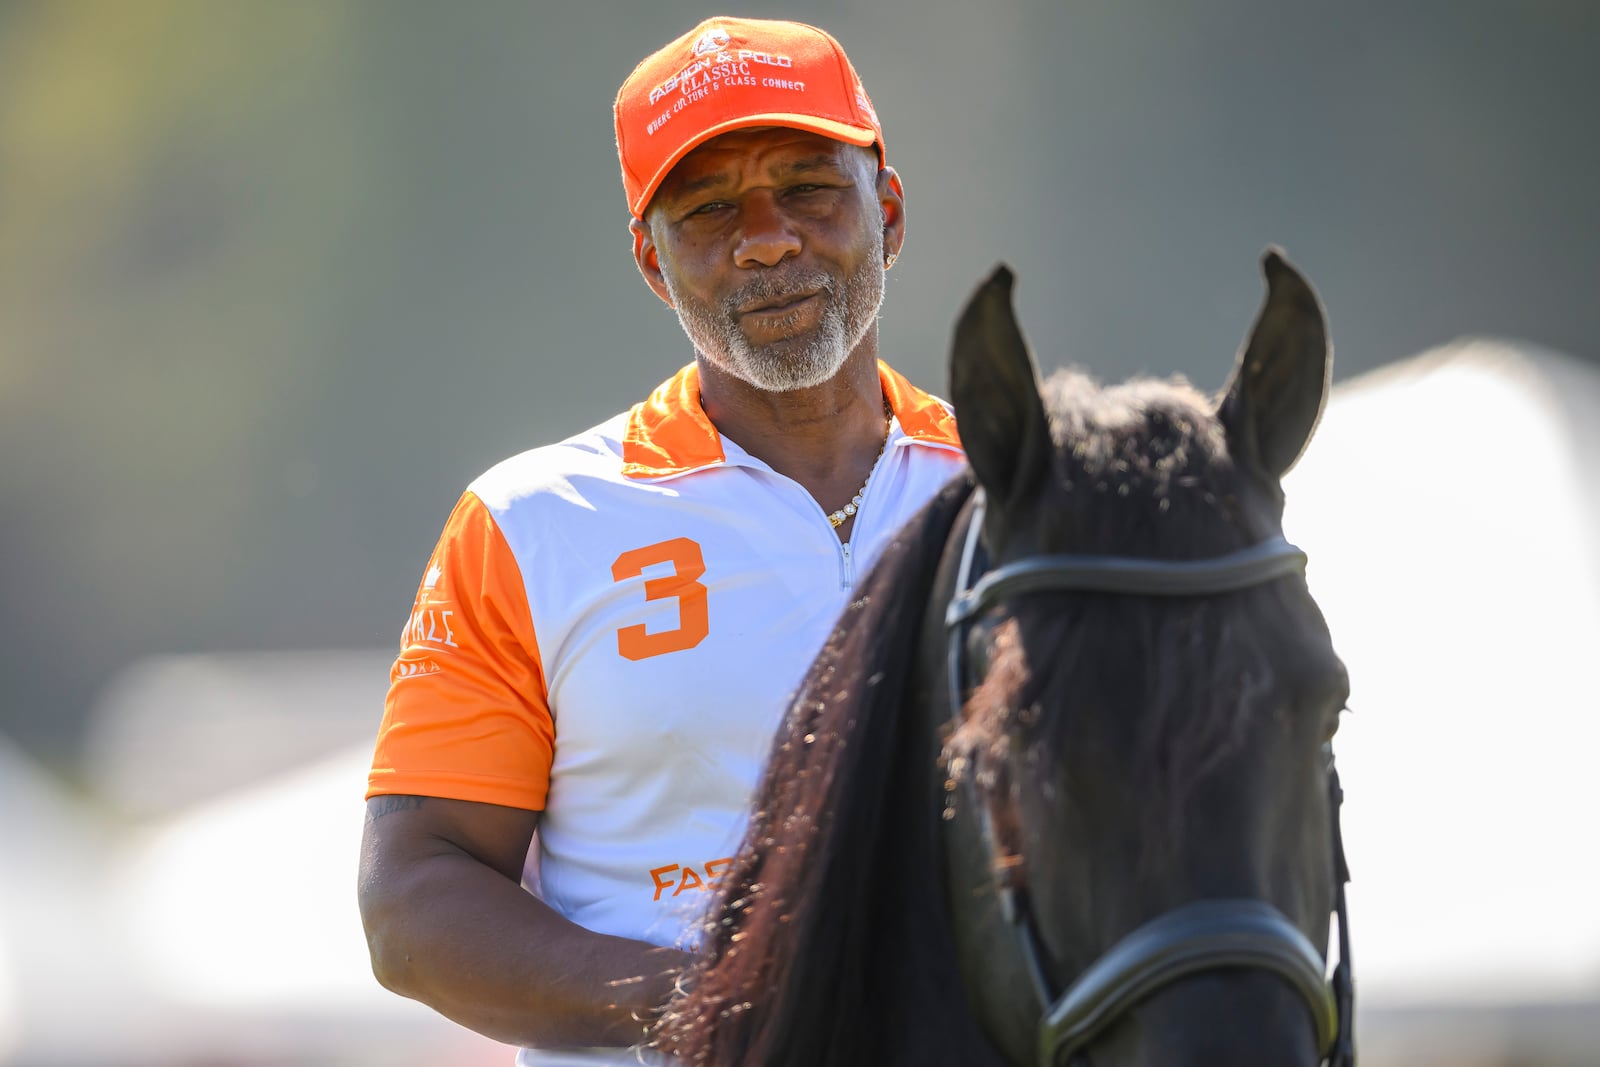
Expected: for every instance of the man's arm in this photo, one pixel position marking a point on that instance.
(449, 924)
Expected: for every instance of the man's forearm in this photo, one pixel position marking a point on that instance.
(461, 938)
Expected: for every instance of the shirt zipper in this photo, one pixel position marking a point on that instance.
(847, 575)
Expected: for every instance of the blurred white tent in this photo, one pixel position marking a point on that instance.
(1453, 521)
(205, 913)
(243, 913)
(68, 994)
(1451, 508)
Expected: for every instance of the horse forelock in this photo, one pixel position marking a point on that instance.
(1164, 692)
(1140, 429)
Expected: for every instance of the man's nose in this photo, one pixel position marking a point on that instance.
(769, 236)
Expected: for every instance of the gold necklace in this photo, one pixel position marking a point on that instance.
(837, 518)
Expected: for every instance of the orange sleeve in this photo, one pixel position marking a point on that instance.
(467, 716)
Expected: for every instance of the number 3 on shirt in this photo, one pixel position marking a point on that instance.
(683, 585)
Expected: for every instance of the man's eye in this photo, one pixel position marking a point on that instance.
(710, 207)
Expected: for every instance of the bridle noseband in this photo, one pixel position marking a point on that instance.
(1204, 935)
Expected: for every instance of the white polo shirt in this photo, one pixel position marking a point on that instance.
(609, 632)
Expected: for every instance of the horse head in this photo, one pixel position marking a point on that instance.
(1140, 848)
(1126, 854)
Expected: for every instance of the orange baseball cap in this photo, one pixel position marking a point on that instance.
(729, 74)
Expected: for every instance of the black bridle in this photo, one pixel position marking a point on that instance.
(1201, 936)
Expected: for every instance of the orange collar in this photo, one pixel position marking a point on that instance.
(670, 433)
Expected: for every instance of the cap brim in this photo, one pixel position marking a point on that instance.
(861, 136)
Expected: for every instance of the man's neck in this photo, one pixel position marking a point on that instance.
(824, 437)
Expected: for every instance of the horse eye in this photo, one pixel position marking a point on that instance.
(1332, 722)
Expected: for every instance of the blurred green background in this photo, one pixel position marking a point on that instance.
(277, 279)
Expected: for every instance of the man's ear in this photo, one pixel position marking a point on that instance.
(892, 202)
(648, 257)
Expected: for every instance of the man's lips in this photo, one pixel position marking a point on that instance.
(780, 306)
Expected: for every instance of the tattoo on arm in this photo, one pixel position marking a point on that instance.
(380, 806)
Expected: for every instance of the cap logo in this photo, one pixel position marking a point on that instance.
(713, 40)
(725, 68)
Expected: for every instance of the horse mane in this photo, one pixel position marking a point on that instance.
(835, 909)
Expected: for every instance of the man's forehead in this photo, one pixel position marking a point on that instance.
(777, 148)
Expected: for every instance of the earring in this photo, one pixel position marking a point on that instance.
(888, 260)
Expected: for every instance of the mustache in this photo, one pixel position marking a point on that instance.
(775, 286)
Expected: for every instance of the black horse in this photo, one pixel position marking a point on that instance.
(1059, 788)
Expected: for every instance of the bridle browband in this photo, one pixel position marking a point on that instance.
(1204, 935)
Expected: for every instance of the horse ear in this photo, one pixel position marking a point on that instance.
(995, 390)
(1279, 383)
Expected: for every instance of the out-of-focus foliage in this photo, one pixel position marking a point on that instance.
(172, 237)
(276, 280)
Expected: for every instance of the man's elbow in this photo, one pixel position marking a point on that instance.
(390, 964)
(384, 923)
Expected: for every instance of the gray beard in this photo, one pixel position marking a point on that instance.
(797, 362)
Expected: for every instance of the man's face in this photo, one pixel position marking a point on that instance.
(770, 247)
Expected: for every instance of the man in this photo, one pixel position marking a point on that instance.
(609, 630)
